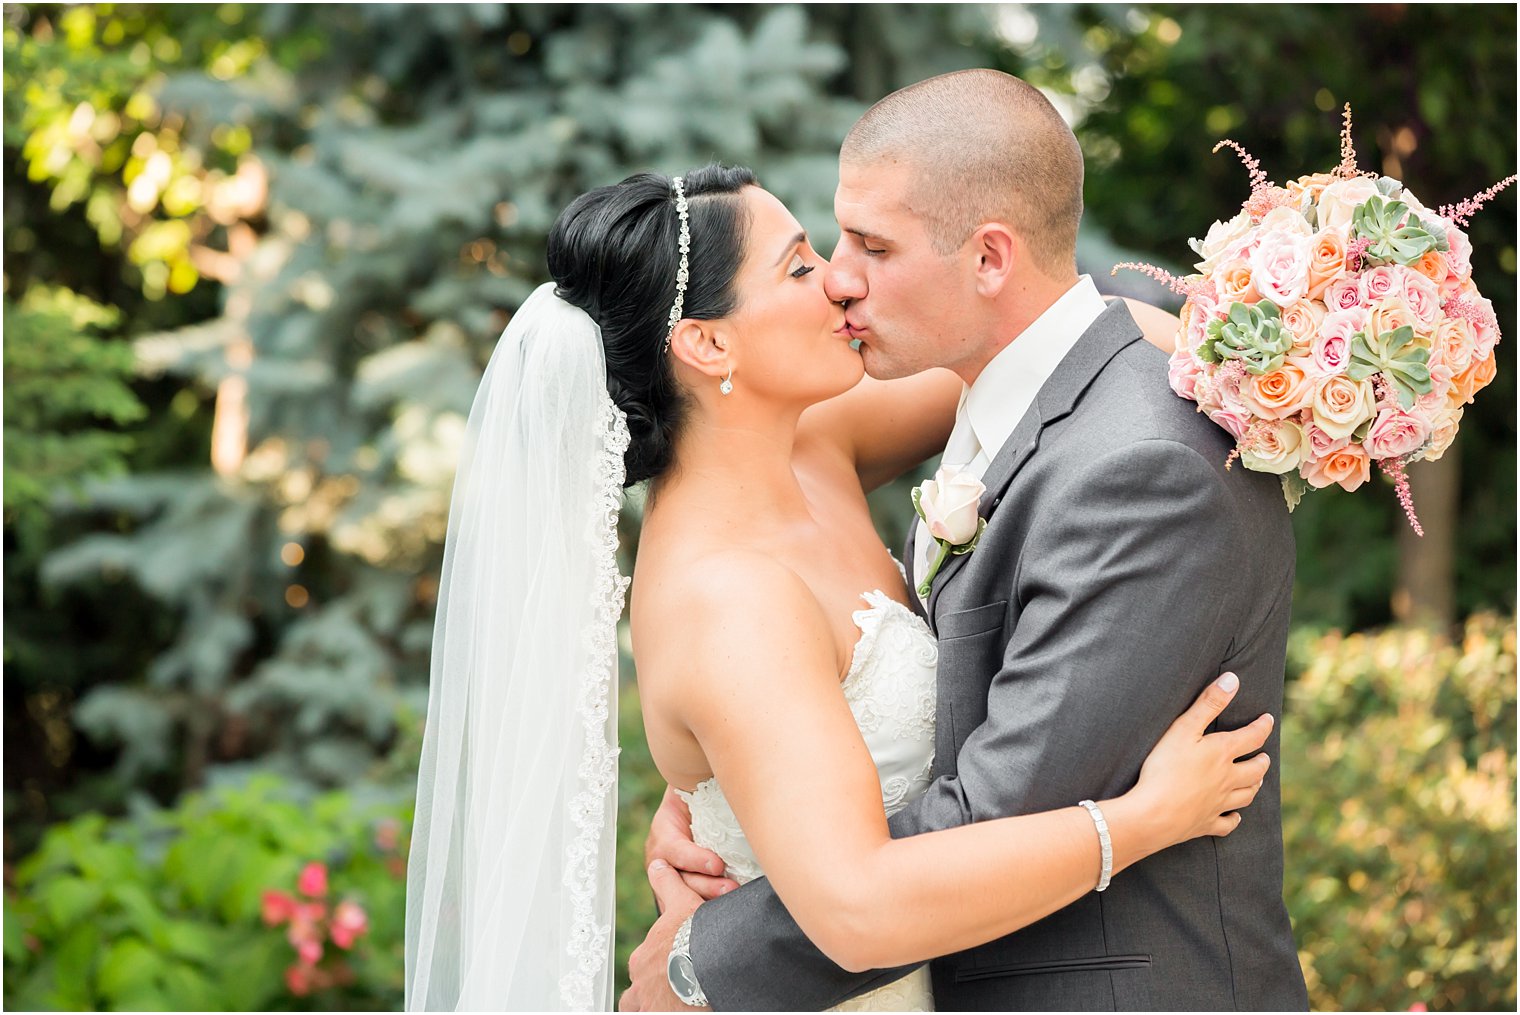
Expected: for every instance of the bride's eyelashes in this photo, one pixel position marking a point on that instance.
(804, 270)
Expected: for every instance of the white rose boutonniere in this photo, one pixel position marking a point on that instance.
(948, 505)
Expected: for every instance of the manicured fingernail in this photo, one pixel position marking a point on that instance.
(658, 865)
(1228, 683)
(724, 890)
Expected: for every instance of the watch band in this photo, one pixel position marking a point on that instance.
(680, 956)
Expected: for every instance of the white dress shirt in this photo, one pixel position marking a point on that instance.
(1005, 390)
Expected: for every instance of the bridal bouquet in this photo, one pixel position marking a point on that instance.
(1334, 324)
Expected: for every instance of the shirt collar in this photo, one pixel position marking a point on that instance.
(1008, 384)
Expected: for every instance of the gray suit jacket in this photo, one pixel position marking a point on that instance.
(1121, 570)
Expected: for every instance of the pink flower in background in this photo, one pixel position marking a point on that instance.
(349, 923)
(313, 880)
(277, 907)
(299, 979)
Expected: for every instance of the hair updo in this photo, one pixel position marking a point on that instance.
(614, 252)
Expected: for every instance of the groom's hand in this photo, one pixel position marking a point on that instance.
(670, 840)
(649, 985)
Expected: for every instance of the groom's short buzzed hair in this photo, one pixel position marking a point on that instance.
(984, 146)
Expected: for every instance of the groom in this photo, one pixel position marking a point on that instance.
(1122, 568)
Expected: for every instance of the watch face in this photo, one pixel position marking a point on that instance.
(683, 976)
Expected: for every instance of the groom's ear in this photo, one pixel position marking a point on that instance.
(998, 251)
(701, 345)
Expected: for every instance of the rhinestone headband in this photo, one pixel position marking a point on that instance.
(682, 274)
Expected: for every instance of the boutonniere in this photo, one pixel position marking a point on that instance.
(948, 505)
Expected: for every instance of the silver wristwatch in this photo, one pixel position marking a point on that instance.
(681, 973)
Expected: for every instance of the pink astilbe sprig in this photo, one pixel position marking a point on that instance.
(1479, 315)
(1394, 470)
(1354, 253)
(1259, 179)
(1347, 169)
(1193, 285)
(1264, 200)
(1462, 211)
(1386, 394)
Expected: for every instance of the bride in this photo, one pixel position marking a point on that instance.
(786, 680)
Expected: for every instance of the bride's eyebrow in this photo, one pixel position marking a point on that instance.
(791, 245)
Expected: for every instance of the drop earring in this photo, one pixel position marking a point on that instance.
(727, 387)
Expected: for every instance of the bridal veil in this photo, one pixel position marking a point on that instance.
(510, 879)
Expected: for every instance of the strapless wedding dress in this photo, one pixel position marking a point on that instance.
(891, 690)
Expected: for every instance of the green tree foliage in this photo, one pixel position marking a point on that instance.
(1399, 817)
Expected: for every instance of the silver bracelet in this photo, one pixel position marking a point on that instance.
(1105, 844)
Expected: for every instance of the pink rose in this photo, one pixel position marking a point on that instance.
(1331, 349)
(1345, 293)
(1182, 373)
(1459, 257)
(1381, 283)
(1321, 443)
(1435, 400)
(1196, 314)
(1394, 434)
(1280, 264)
(1349, 466)
(1233, 419)
(1485, 333)
(1423, 298)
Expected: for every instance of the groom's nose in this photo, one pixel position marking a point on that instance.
(844, 281)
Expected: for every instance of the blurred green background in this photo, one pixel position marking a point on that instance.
(256, 257)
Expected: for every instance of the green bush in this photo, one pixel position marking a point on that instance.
(166, 911)
(1399, 817)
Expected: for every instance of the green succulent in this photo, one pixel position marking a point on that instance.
(1378, 221)
(1252, 334)
(1395, 355)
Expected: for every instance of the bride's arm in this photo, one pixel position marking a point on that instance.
(889, 427)
(766, 708)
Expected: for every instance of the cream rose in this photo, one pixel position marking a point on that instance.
(948, 504)
(1339, 201)
(1224, 242)
(1275, 447)
(1443, 430)
(1453, 344)
(1340, 405)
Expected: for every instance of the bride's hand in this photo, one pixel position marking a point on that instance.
(1191, 783)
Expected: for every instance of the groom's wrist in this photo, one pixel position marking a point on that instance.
(680, 971)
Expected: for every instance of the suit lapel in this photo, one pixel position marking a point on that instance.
(909, 559)
(1112, 331)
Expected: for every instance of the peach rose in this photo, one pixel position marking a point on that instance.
(1349, 466)
(1235, 284)
(1453, 344)
(1432, 264)
(1327, 260)
(1443, 430)
(1278, 394)
(1340, 405)
(1472, 380)
(1310, 187)
(1338, 201)
(1303, 319)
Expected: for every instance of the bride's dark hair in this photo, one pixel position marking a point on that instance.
(614, 252)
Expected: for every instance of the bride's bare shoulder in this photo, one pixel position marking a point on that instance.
(723, 585)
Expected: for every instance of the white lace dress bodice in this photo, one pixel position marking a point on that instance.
(891, 690)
